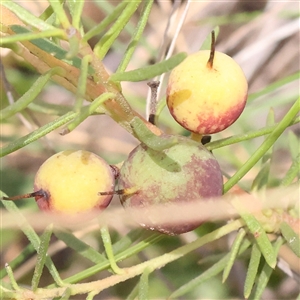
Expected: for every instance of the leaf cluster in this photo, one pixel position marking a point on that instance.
(79, 68)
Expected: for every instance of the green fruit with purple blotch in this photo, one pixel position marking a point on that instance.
(183, 173)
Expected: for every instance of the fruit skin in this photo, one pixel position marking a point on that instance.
(207, 100)
(182, 173)
(71, 181)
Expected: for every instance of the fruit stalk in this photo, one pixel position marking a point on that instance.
(210, 61)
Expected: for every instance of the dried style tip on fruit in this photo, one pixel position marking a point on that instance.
(185, 172)
(207, 92)
(70, 182)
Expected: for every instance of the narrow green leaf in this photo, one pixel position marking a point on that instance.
(91, 295)
(244, 137)
(261, 239)
(29, 35)
(126, 241)
(292, 172)
(74, 44)
(49, 108)
(270, 117)
(81, 87)
(274, 86)
(38, 133)
(129, 251)
(26, 16)
(144, 285)
(109, 250)
(46, 14)
(292, 238)
(29, 96)
(108, 9)
(149, 72)
(41, 257)
(76, 8)
(50, 47)
(146, 136)
(4, 285)
(252, 270)
(32, 237)
(173, 255)
(11, 277)
(211, 259)
(293, 140)
(265, 146)
(134, 293)
(110, 17)
(136, 36)
(209, 273)
(102, 47)
(261, 179)
(233, 253)
(60, 13)
(7, 294)
(232, 18)
(21, 258)
(88, 110)
(80, 247)
(67, 294)
(270, 122)
(265, 274)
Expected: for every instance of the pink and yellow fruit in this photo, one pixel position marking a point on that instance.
(70, 181)
(205, 96)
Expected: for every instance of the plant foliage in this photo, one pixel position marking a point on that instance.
(260, 210)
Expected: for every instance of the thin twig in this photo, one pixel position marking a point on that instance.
(171, 47)
(153, 101)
